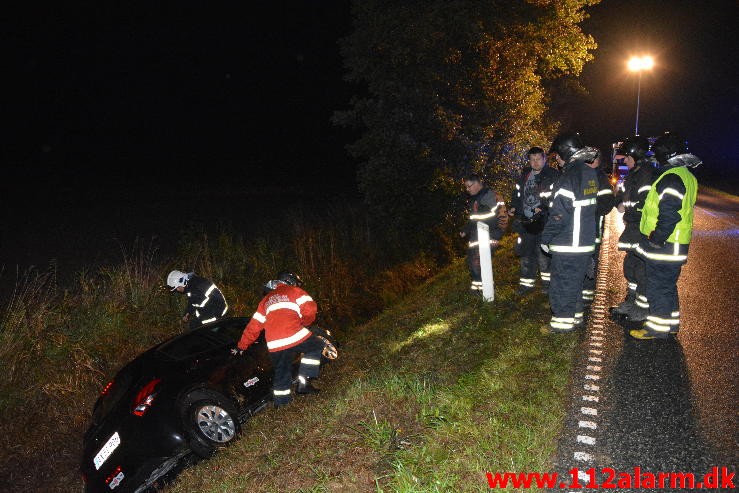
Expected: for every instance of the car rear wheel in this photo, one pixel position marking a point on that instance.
(210, 420)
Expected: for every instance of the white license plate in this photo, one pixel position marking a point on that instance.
(107, 449)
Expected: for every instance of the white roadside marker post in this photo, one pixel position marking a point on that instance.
(486, 261)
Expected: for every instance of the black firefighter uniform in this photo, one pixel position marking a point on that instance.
(667, 228)
(632, 193)
(570, 237)
(484, 207)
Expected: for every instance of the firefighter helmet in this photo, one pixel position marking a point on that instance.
(289, 278)
(565, 144)
(636, 147)
(667, 146)
(177, 279)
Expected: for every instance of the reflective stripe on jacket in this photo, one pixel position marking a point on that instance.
(572, 212)
(632, 193)
(205, 302)
(485, 207)
(667, 217)
(284, 315)
(604, 203)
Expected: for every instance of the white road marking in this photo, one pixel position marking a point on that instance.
(586, 439)
(583, 457)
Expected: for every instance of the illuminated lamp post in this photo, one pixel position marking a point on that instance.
(639, 64)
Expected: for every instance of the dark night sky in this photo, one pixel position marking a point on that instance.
(188, 94)
(692, 89)
(106, 109)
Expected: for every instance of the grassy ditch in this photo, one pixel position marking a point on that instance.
(426, 397)
(61, 342)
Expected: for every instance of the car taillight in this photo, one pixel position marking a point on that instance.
(115, 478)
(145, 397)
(107, 388)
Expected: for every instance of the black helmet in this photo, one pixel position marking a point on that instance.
(566, 144)
(289, 278)
(667, 146)
(636, 147)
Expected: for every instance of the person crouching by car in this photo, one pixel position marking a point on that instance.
(205, 302)
(284, 315)
(529, 206)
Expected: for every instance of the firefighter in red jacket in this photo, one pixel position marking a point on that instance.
(285, 314)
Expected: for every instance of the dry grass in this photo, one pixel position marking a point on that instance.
(426, 397)
(60, 345)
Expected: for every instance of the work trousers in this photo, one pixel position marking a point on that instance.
(282, 361)
(664, 305)
(565, 290)
(636, 277)
(591, 274)
(532, 259)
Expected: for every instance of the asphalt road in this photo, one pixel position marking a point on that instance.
(662, 405)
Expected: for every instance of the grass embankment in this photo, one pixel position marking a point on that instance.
(60, 343)
(426, 397)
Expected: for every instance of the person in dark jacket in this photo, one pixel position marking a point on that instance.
(666, 227)
(205, 302)
(630, 201)
(529, 207)
(604, 204)
(483, 206)
(569, 234)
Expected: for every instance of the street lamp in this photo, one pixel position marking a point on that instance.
(639, 64)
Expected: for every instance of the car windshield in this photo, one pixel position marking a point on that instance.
(204, 339)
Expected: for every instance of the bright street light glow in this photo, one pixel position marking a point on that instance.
(639, 63)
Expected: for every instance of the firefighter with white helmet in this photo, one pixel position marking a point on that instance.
(205, 302)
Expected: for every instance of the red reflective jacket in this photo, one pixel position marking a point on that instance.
(284, 315)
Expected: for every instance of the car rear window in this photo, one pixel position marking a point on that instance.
(106, 402)
(204, 339)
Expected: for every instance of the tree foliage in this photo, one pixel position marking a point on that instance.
(452, 86)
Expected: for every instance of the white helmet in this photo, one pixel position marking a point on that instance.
(177, 279)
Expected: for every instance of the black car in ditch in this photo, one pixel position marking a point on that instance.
(187, 394)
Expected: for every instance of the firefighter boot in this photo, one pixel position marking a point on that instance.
(305, 387)
(636, 314)
(623, 308)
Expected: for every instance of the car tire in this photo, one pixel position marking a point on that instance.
(210, 420)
